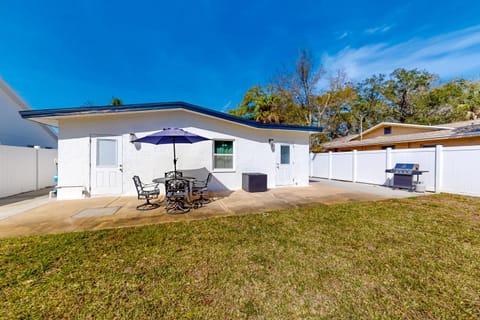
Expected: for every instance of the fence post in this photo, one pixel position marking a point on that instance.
(310, 164)
(36, 166)
(330, 164)
(354, 166)
(388, 165)
(438, 167)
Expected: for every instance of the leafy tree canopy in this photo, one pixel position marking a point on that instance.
(345, 107)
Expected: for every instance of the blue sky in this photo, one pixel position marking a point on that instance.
(72, 53)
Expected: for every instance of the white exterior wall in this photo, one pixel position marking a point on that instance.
(14, 130)
(252, 152)
(25, 169)
(450, 169)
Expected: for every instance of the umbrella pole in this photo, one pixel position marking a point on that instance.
(174, 159)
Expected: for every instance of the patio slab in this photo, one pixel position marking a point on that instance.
(59, 216)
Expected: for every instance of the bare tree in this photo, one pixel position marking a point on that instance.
(298, 88)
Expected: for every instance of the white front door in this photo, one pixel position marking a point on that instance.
(106, 173)
(284, 164)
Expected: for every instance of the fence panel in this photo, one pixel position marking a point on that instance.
(461, 172)
(342, 166)
(425, 157)
(371, 166)
(25, 169)
(47, 167)
(319, 165)
(452, 169)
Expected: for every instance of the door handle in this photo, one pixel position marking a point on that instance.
(120, 167)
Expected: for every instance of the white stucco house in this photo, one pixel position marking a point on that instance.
(15, 131)
(96, 154)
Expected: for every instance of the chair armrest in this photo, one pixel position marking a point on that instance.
(199, 183)
(150, 185)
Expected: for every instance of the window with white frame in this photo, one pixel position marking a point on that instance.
(223, 155)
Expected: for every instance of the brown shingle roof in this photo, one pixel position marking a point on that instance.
(451, 131)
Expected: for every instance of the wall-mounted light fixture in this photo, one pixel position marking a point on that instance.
(271, 142)
(132, 137)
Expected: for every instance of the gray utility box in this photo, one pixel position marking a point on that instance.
(254, 182)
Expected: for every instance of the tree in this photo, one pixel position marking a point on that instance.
(116, 101)
(371, 106)
(262, 105)
(456, 100)
(298, 89)
(336, 106)
(404, 89)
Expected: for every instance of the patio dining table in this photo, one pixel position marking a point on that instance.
(163, 179)
(190, 180)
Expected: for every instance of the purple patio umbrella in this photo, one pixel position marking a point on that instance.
(172, 135)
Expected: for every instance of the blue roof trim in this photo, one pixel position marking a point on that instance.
(43, 113)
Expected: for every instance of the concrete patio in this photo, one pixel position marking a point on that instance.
(112, 212)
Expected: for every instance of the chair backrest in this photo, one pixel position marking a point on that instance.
(176, 186)
(138, 184)
(203, 184)
(173, 174)
(209, 178)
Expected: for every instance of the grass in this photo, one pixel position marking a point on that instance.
(408, 259)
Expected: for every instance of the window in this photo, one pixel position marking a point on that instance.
(387, 130)
(386, 147)
(284, 154)
(223, 154)
(106, 153)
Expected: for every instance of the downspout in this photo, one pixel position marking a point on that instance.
(90, 165)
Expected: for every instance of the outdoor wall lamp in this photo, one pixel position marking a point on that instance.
(272, 144)
(132, 137)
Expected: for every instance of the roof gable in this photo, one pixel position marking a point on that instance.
(397, 129)
(457, 130)
(20, 105)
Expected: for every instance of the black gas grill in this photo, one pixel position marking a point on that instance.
(403, 174)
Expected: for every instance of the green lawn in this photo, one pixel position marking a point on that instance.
(408, 259)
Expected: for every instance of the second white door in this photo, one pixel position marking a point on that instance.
(106, 173)
(284, 164)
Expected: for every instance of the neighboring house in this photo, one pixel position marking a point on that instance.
(403, 136)
(15, 131)
(96, 153)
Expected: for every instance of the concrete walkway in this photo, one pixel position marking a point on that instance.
(367, 188)
(113, 212)
(19, 203)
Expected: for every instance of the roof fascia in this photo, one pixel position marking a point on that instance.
(36, 115)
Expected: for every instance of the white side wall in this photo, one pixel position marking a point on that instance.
(252, 151)
(14, 130)
(25, 169)
(451, 169)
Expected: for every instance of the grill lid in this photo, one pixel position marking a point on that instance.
(405, 169)
(407, 166)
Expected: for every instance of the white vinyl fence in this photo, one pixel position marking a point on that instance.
(450, 169)
(25, 169)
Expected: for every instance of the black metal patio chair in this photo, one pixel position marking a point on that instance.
(200, 188)
(146, 192)
(177, 196)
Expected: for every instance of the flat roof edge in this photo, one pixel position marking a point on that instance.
(44, 113)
